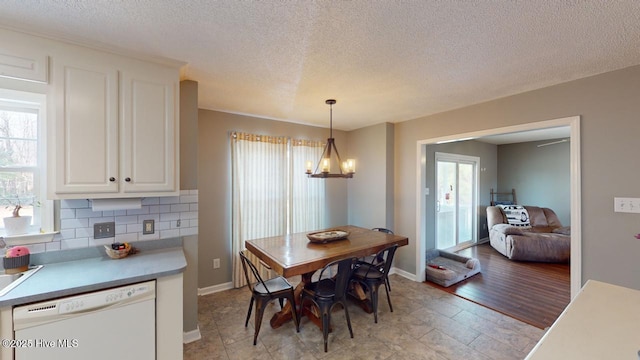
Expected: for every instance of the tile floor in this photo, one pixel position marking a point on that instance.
(427, 323)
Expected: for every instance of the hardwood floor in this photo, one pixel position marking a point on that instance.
(535, 293)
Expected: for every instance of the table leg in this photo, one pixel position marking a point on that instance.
(284, 315)
(359, 296)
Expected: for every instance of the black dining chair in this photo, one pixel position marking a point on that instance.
(263, 292)
(372, 276)
(382, 230)
(374, 260)
(329, 291)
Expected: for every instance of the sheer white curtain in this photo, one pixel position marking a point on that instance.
(307, 195)
(259, 181)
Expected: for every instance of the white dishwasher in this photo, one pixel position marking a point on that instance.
(117, 323)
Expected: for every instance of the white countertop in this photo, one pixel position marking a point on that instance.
(99, 272)
(601, 322)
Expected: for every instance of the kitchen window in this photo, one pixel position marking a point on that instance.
(22, 154)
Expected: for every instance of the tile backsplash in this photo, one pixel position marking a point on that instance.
(173, 216)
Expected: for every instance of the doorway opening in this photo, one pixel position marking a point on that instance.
(573, 124)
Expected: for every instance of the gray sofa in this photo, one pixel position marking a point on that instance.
(545, 240)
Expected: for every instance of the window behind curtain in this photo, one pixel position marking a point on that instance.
(307, 195)
(271, 194)
(259, 192)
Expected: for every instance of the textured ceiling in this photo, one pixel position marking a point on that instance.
(384, 61)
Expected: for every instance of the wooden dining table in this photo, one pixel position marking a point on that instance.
(294, 254)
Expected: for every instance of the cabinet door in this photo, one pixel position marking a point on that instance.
(149, 130)
(22, 57)
(86, 127)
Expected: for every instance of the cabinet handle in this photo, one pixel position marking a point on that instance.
(112, 179)
(127, 179)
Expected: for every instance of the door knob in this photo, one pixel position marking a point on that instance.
(127, 179)
(112, 179)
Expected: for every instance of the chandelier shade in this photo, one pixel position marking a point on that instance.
(346, 169)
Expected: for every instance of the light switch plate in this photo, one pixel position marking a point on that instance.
(104, 230)
(626, 205)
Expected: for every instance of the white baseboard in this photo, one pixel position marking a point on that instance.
(191, 336)
(404, 274)
(226, 286)
(194, 335)
(215, 288)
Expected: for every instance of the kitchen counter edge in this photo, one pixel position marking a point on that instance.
(75, 277)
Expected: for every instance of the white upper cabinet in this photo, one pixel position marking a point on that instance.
(148, 131)
(114, 132)
(22, 58)
(86, 128)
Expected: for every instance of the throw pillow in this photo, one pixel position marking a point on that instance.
(517, 215)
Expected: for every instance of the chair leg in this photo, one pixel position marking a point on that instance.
(246, 323)
(294, 312)
(326, 318)
(259, 313)
(389, 299)
(374, 302)
(301, 305)
(346, 313)
(387, 284)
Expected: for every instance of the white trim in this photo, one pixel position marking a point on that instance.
(191, 336)
(215, 288)
(15, 98)
(576, 207)
(30, 239)
(404, 274)
(96, 45)
(575, 177)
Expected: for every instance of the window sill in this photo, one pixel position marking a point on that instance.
(28, 239)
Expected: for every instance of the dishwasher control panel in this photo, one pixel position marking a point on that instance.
(48, 311)
(104, 298)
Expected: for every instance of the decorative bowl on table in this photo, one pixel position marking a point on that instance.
(327, 235)
(118, 250)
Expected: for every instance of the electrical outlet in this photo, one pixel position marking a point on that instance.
(178, 223)
(104, 230)
(626, 205)
(216, 263)
(148, 227)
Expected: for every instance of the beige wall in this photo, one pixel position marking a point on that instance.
(215, 190)
(188, 135)
(609, 109)
(189, 181)
(540, 175)
(371, 189)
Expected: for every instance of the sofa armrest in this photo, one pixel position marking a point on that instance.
(495, 216)
(510, 229)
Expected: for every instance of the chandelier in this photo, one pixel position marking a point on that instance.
(323, 168)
